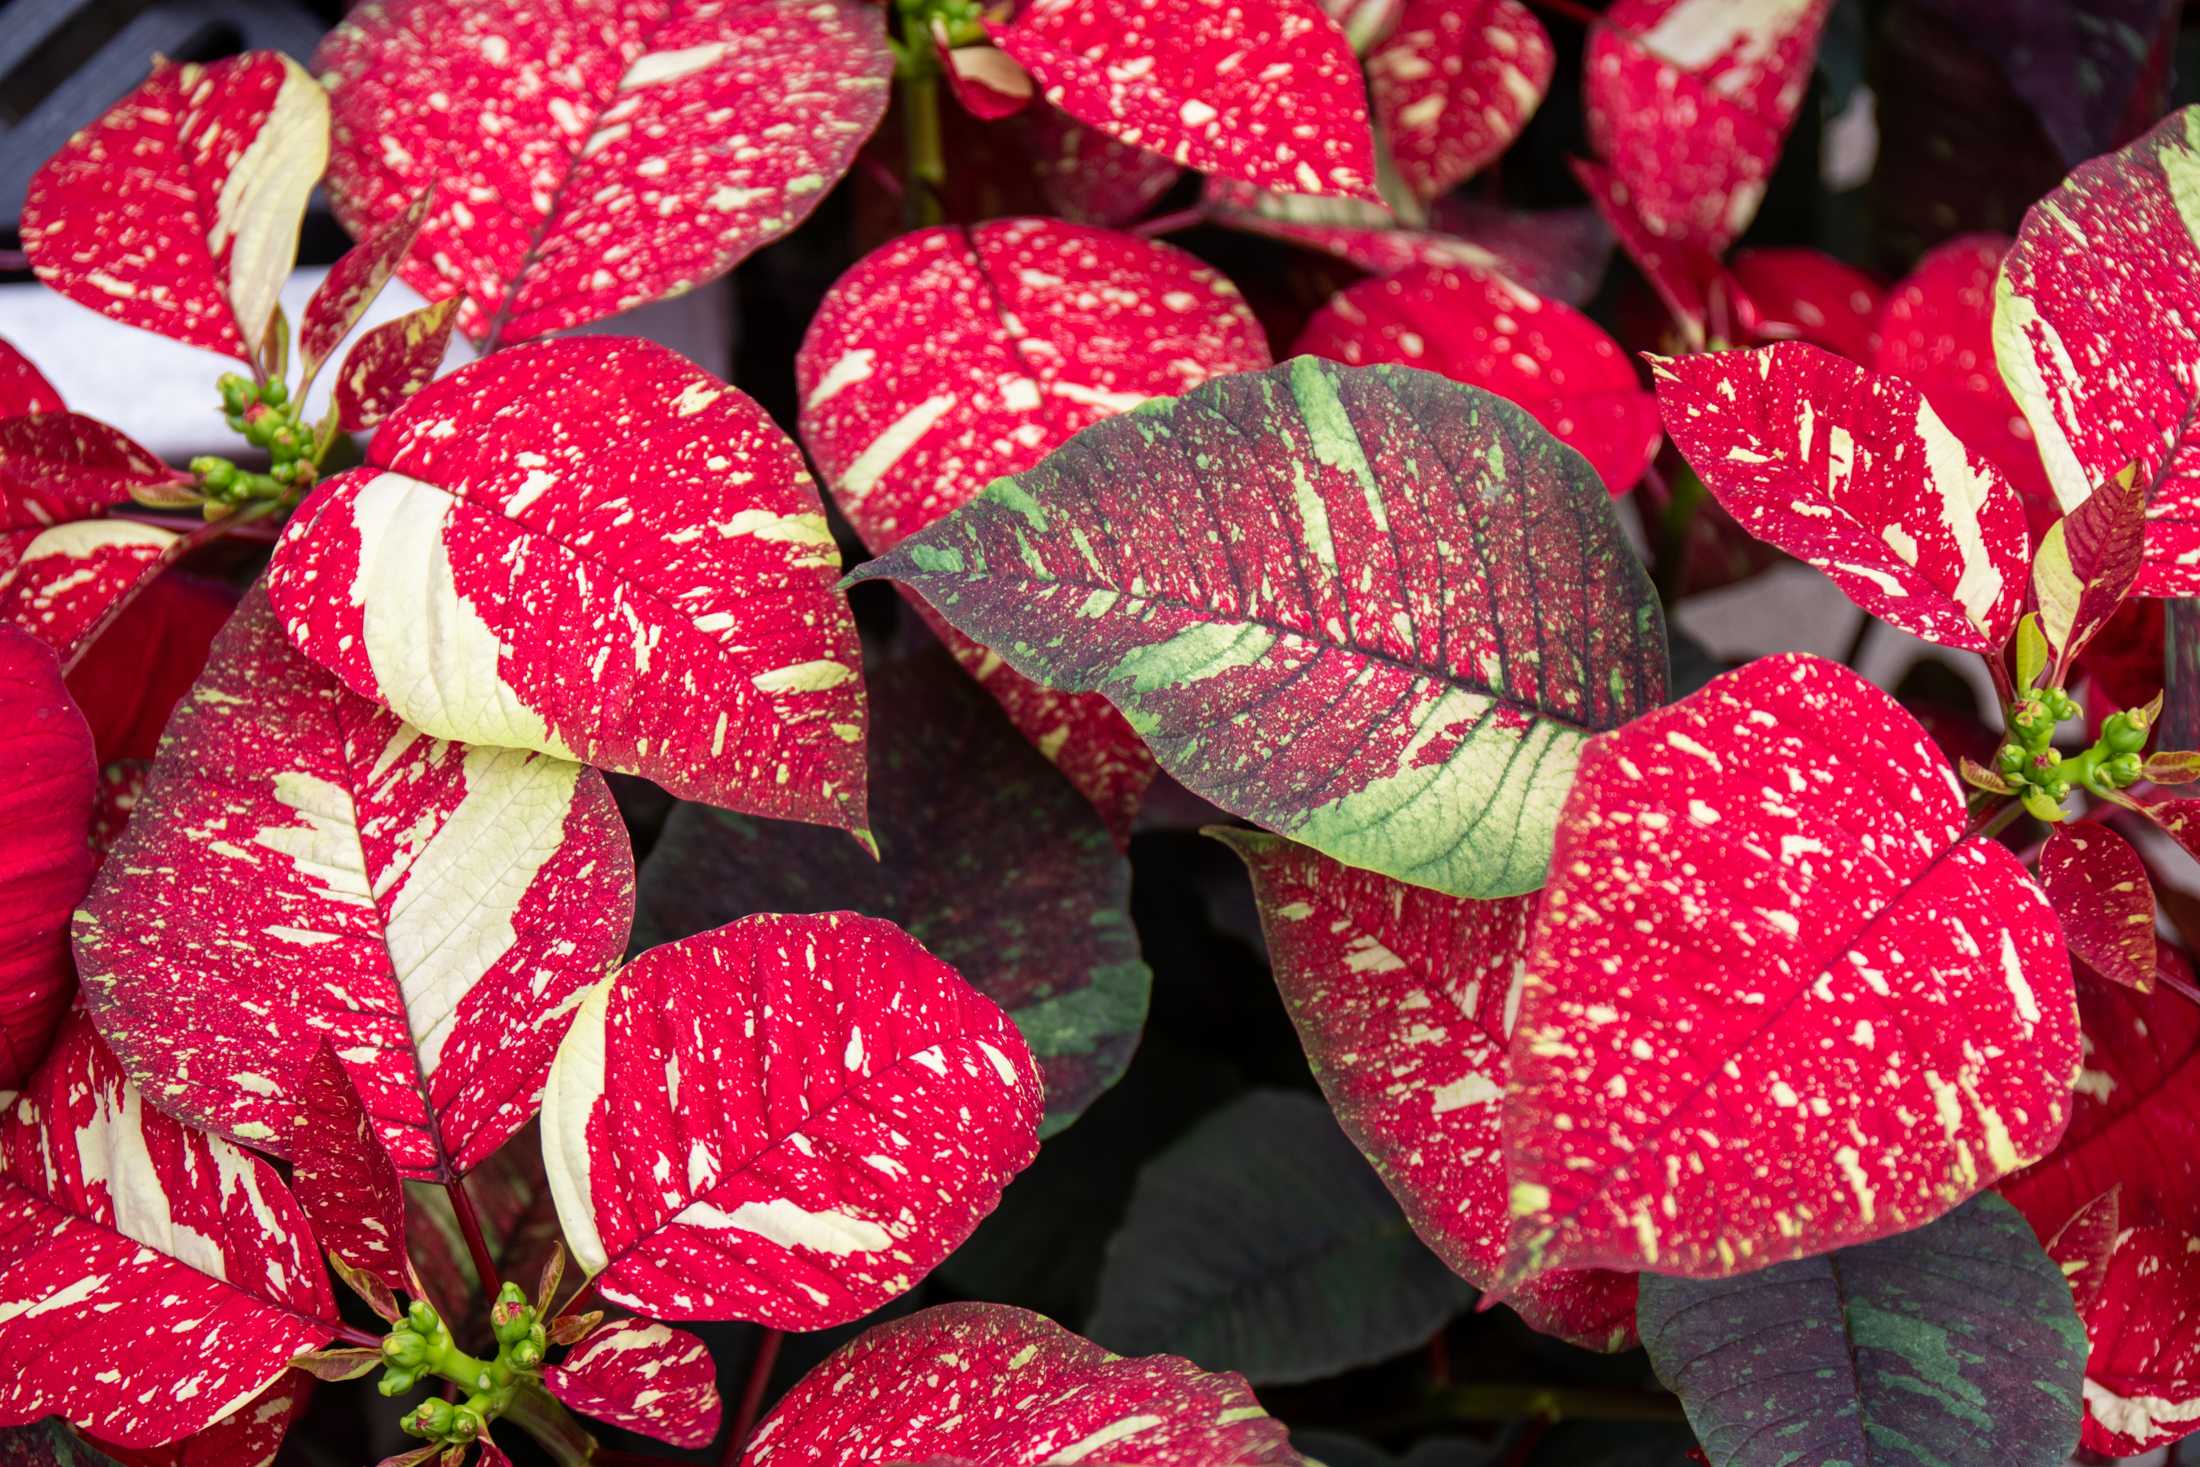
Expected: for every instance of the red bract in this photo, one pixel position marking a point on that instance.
(788, 1120)
(391, 363)
(1403, 998)
(985, 1383)
(1807, 295)
(1776, 1003)
(1689, 101)
(249, 1436)
(954, 356)
(2084, 1245)
(343, 1175)
(2142, 1379)
(435, 911)
(1854, 473)
(2086, 565)
(2094, 333)
(1267, 91)
(593, 549)
(116, 1224)
(1453, 84)
(23, 389)
(58, 466)
(45, 863)
(131, 678)
(1483, 330)
(354, 281)
(2099, 889)
(62, 583)
(2135, 1121)
(178, 210)
(644, 1376)
(589, 162)
(1089, 177)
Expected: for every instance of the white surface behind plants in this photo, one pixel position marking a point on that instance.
(161, 392)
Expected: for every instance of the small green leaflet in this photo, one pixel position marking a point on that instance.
(1368, 608)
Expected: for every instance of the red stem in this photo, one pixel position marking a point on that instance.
(752, 1396)
(477, 1246)
(359, 1337)
(2177, 985)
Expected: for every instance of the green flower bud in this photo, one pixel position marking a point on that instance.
(431, 1418)
(236, 391)
(274, 394)
(404, 1347)
(526, 1354)
(2123, 771)
(396, 1382)
(464, 1425)
(2124, 733)
(2010, 758)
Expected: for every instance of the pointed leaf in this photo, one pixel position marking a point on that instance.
(993, 1384)
(1050, 327)
(2142, 1379)
(338, 1365)
(2171, 767)
(90, 1267)
(45, 863)
(1482, 329)
(1326, 627)
(390, 364)
(2031, 651)
(646, 1377)
(62, 466)
(985, 856)
(1689, 101)
(2094, 331)
(1260, 1242)
(354, 281)
(2086, 565)
(1267, 91)
(1454, 84)
(1404, 998)
(435, 911)
(2135, 1120)
(343, 1175)
(1807, 295)
(2099, 889)
(592, 548)
(634, 153)
(1684, 274)
(1776, 1002)
(2084, 1245)
(23, 389)
(1855, 473)
(1954, 1343)
(788, 1120)
(178, 210)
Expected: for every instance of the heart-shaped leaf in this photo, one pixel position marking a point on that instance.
(1404, 998)
(2142, 1378)
(986, 1383)
(1776, 1001)
(1047, 328)
(985, 856)
(592, 548)
(304, 865)
(2095, 332)
(1953, 1343)
(2135, 1121)
(1267, 91)
(45, 864)
(344, 1177)
(2087, 563)
(118, 1225)
(644, 1376)
(178, 210)
(1855, 473)
(1453, 84)
(1260, 1242)
(1482, 329)
(636, 152)
(2100, 891)
(1689, 101)
(788, 1120)
(23, 388)
(1310, 590)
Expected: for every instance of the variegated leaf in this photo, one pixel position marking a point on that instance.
(390, 364)
(1452, 85)
(2087, 563)
(353, 282)
(343, 1174)
(2142, 1378)
(23, 388)
(2100, 891)
(644, 1376)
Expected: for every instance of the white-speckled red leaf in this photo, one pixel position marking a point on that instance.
(343, 1175)
(61, 584)
(45, 860)
(953, 356)
(117, 1224)
(984, 79)
(1453, 84)
(1689, 102)
(2104, 899)
(644, 1376)
(1089, 177)
(1686, 277)
(592, 156)
(178, 210)
(593, 548)
(1855, 473)
(1482, 329)
(2135, 1120)
(60, 466)
(1776, 1003)
(2142, 1377)
(1806, 295)
(250, 1436)
(304, 866)
(389, 365)
(1267, 91)
(121, 784)
(788, 1120)
(354, 281)
(987, 1383)
(2095, 332)
(1403, 998)
(23, 388)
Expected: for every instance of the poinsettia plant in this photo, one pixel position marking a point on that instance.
(494, 900)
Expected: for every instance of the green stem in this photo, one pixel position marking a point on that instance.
(1684, 501)
(920, 122)
(1999, 821)
(536, 1412)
